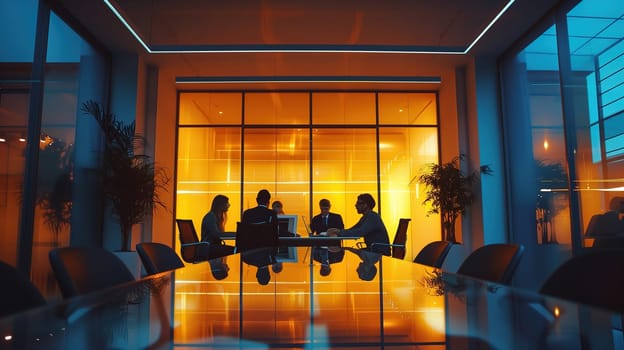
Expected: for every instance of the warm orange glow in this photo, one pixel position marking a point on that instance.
(556, 311)
(546, 145)
(279, 158)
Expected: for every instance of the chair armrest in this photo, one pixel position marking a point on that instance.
(388, 245)
(195, 243)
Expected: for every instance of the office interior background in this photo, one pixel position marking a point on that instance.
(541, 104)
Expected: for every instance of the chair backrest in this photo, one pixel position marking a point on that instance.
(398, 244)
(188, 236)
(18, 293)
(595, 278)
(81, 270)
(157, 257)
(253, 236)
(605, 224)
(433, 254)
(492, 262)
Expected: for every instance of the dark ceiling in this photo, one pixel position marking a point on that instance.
(199, 38)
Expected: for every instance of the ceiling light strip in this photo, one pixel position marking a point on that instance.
(127, 25)
(318, 79)
(500, 13)
(373, 49)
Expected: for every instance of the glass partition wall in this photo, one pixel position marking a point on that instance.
(563, 93)
(305, 146)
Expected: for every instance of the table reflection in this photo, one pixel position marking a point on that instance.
(366, 301)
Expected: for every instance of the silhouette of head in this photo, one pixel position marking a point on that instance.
(277, 267)
(277, 207)
(366, 271)
(263, 197)
(219, 268)
(368, 199)
(263, 275)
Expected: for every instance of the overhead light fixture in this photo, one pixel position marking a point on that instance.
(373, 49)
(307, 79)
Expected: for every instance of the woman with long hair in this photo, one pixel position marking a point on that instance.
(213, 226)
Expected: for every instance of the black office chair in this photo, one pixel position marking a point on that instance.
(595, 278)
(493, 262)
(193, 250)
(157, 257)
(433, 254)
(18, 293)
(253, 236)
(81, 270)
(400, 238)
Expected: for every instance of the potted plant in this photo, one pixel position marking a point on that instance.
(552, 176)
(131, 182)
(449, 190)
(54, 191)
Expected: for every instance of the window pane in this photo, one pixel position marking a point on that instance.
(17, 30)
(209, 163)
(597, 56)
(206, 108)
(538, 130)
(345, 163)
(277, 108)
(404, 153)
(343, 108)
(407, 108)
(14, 107)
(278, 160)
(67, 182)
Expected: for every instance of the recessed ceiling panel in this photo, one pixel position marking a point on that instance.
(200, 23)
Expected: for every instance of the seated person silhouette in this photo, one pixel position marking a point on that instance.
(370, 226)
(320, 224)
(213, 226)
(260, 213)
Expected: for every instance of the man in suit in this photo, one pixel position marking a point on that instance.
(321, 223)
(326, 219)
(261, 213)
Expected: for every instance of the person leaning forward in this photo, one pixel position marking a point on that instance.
(370, 226)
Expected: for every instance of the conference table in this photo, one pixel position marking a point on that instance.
(367, 301)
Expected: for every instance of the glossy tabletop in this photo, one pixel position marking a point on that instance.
(366, 301)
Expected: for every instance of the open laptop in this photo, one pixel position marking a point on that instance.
(305, 224)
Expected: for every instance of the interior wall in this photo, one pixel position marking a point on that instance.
(485, 125)
(164, 154)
